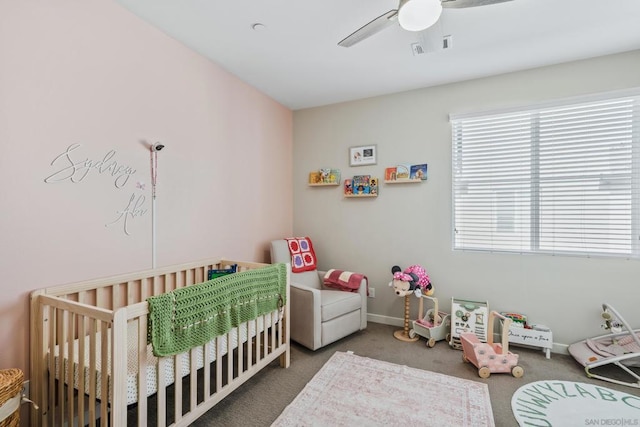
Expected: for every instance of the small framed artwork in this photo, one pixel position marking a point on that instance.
(363, 155)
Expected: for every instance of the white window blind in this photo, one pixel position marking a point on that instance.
(561, 179)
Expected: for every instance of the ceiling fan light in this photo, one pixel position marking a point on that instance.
(418, 15)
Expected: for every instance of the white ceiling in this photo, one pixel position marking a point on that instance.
(295, 59)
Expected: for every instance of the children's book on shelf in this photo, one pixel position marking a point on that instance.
(390, 174)
(361, 184)
(418, 171)
(348, 187)
(334, 176)
(373, 186)
(402, 171)
(314, 177)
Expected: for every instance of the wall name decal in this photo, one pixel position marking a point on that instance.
(76, 171)
(71, 167)
(133, 209)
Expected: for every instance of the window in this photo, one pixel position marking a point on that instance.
(561, 178)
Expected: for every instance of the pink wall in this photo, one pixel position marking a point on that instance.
(93, 74)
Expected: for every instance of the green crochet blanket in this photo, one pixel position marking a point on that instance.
(194, 315)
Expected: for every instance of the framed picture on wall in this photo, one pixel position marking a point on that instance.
(363, 155)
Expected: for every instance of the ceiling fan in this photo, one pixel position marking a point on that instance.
(412, 15)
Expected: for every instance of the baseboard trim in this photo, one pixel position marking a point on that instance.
(385, 320)
(396, 321)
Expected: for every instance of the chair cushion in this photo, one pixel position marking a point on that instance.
(307, 278)
(337, 303)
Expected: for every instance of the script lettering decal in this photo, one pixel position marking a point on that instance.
(134, 209)
(76, 171)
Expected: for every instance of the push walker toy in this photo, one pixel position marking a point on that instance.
(489, 357)
(432, 325)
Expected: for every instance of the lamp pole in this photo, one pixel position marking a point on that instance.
(154, 178)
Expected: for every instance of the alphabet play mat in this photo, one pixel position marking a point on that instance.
(566, 403)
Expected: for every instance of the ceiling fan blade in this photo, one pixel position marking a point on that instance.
(458, 4)
(373, 27)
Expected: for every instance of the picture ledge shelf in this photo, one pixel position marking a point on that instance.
(325, 184)
(355, 196)
(403, 181)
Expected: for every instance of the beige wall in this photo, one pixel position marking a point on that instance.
(411, 224)
(91, 73)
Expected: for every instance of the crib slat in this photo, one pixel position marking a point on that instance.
(177, 383)
(101, 300)
(61, 338)
(249, 347)
(207, 371)
(145, 289)
(188, 277)
(156, 286)
(193, 383)
(70, 365)
(81, 368)
(114, 296)
(104, 374)
(128, 292)
(273, 330)
(170, 282)
(218, 364)
(229, 358)
(142, 370)
(51, 404)
(241, 349)
(265, 337)
(92, 371)
(162, 392)
(118, 369)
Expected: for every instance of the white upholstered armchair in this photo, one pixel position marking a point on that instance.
(320, 315)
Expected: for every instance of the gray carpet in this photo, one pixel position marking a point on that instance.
(259, 401)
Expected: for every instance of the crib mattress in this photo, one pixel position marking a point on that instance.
(152, 361)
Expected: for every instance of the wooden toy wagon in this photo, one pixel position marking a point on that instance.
(491, 357)
(433, 325)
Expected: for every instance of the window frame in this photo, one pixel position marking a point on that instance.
(534, 214)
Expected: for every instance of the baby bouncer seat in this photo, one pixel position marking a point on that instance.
(620, 347)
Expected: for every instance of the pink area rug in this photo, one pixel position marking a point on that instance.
(352, 390)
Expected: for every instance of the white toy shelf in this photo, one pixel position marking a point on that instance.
(542, 338)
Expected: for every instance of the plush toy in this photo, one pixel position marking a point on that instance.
(413, 279)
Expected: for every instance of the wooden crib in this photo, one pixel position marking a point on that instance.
(89, 340)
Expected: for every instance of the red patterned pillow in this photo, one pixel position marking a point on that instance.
(303, 258)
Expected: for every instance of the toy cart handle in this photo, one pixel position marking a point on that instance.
(436, 315)
(506, 324)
